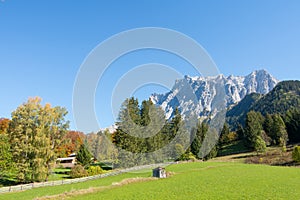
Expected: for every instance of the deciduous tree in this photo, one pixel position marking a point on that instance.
(6, 163)
(35, 131)
(71, 143)
(4, 124)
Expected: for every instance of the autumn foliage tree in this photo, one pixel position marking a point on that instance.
(71, 143)
(35, 131)
(4, 124)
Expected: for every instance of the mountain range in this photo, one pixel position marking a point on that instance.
(205, 95)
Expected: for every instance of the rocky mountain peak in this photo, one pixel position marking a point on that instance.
(199, 94)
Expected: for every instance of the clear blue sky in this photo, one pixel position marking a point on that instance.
(43, 43)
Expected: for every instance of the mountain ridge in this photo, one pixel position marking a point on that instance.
(200, 95)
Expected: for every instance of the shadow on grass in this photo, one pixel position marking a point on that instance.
(245, 156)
(104, 165)
(236, 147)
(4, 181)
(287, 164)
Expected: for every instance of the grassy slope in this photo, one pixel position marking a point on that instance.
(213, 181)
(46, 191)
(208, 180)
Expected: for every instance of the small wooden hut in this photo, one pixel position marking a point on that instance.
(159, 172)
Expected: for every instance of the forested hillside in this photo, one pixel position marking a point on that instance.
(285, 96)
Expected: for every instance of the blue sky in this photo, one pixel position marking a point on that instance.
(43, 43)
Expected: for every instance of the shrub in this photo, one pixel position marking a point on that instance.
(78, 171)
(260, 145)
(187, 157)
(296, 154)
(232, 136)
(94, 170)
(284, 149)
(191, 157)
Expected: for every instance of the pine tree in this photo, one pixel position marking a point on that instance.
(83, 156)
(224, 134)
(176, 122)
(198, 134)
(127, 135)
(253, 129)
(292, 121)
(145, 112)
(177, 135)
(240, 132)
(268, 124)
(279, 130)
(210, 147)
(143, 131)
(152, 121)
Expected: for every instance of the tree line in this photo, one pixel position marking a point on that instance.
(144, 136)
(36, 135)
(270, 130)
(258, 132)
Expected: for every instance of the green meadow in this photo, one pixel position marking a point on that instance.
(197, 180)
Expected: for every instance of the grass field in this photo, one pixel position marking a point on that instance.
(207, 180)
(59, 174)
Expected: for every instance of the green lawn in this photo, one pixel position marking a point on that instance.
(207, 180)
(59, 174)
(46, 191)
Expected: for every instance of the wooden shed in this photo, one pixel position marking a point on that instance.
(159, 172)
